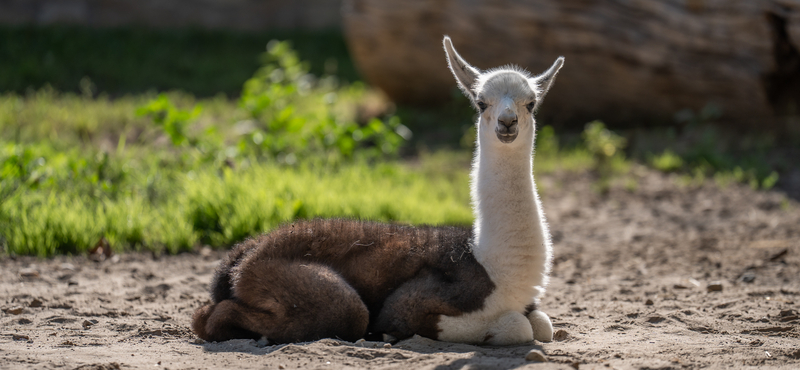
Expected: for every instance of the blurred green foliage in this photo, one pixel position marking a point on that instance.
(171, 119)
(293, 115)
(667, 161)
(607, 150)
(602, 142)
(699, 150)
(135, 60)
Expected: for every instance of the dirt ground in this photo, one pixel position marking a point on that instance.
(664, 276)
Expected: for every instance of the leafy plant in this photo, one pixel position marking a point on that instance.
(172, 120)
(601, 142)
(292, 117)
(667, 161)
(295, 116)
(606, 148)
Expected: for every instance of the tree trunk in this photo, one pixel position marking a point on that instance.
(627, 61)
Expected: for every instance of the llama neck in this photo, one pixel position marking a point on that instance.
(510, 231)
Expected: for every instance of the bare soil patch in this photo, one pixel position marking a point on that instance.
(663, 276)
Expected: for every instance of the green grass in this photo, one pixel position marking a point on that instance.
(163, 209)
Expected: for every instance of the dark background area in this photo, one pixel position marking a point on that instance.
(134, 60)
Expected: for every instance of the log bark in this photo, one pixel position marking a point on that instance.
(635, 61)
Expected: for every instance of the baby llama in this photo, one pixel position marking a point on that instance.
(350, 279)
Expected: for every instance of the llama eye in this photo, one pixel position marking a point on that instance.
(530, 106)
(482, 106)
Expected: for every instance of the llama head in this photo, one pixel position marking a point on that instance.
(506, 97)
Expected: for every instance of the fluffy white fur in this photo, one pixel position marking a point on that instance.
(512, 240)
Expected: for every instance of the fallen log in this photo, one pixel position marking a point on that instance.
(627, 61)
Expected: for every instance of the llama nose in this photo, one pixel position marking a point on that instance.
(507, 123)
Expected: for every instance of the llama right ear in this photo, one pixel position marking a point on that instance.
(545, 80)
(465, 74)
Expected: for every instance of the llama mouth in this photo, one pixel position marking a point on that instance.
(506, 138)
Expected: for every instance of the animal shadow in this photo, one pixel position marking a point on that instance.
(411, 350)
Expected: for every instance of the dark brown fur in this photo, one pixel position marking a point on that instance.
(343, 278)
(529, 308)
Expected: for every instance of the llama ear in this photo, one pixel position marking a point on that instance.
(545, 80)
(465, 74)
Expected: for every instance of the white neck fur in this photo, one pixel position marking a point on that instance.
(511, 237)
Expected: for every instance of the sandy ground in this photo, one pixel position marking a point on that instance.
(665, 276)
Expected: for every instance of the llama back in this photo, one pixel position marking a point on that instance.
(373, 257)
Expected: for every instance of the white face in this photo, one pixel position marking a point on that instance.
(506, 101)
(505, 97)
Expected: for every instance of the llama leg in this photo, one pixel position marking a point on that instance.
(429, 303)
(542, 327)
(286, 302)
(511, 327)
(415, 308)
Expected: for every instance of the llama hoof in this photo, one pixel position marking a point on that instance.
(511, 328)
(542, 327)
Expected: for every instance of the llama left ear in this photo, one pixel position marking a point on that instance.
(465, 74)
(545, 80)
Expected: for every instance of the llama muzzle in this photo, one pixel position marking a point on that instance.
(507, 128)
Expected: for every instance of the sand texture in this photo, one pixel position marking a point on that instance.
(663, 276)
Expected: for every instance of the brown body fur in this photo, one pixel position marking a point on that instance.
(345, 279)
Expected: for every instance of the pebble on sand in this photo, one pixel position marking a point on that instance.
(714, 286)
(535, 355)
(648, 302)
(14, 310)
(747, 277)
(560, 335)
(29, 273)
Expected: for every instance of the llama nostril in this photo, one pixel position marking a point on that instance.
(507, 120)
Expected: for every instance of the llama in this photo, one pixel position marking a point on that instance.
(352, 279)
